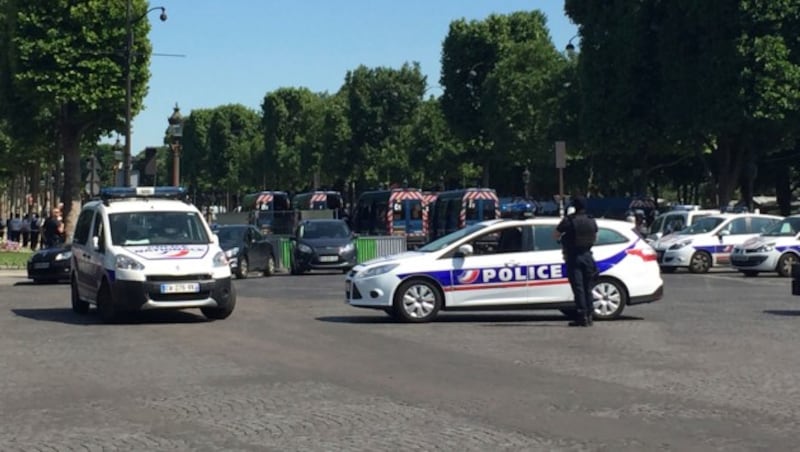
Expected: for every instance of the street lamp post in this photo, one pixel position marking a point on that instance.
(129, 22)
(526, 180)
(175, 133)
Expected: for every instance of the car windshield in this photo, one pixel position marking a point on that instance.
(324, 230)
(702, 226)
(447, 240)
(788, 227)
(230, 236)
(153, 228)
(656, 226)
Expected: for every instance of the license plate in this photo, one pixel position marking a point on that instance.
(328, 258)
(180, 288)
(41, 265)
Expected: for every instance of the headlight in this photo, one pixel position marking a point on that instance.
(375, 271)
(220, 260)
(232, 252)
(303, 248)
(63, 256)
(765, 248)
(127, 263)
(349, 248)
(680, 245)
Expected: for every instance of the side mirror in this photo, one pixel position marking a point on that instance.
(465, 250)
(724, 232)
(95, 243)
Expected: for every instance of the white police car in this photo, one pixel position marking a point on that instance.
(709, 241)
(776, 250)
(141, 248)
(501, 264)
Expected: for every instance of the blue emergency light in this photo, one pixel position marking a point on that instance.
(110, 193)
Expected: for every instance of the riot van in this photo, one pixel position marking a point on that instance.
(397, 211)
(457, 209)
(270, 211)
(329, 204)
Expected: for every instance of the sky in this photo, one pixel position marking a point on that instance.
(237, 51)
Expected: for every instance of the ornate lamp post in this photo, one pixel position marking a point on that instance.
(175, 133)
(129, 22)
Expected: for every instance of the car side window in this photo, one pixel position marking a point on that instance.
(609, 237)
(99, 231)
(759, 225)
(82, 226)
(738, 226)
(503, 241)
(543, 238)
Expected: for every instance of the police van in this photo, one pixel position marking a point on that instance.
(147, 248)
(505, 264)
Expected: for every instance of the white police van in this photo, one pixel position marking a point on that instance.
(709, 241)
(677, 219)
(147, 248)
(776, 250)
(502, 264)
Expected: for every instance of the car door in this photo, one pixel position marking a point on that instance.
(258, 249)
(735, 232)
(548, 280)
(495, 273)
(80, 246)
(96, 252)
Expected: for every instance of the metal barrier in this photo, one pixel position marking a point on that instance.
(282, 247)
(379, 246)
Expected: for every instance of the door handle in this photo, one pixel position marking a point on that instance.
(511, 263)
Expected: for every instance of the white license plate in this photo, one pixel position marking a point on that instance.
(180, 288)
(41, 265)
(328, 258)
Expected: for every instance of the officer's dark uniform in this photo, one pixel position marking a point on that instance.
(578, 232)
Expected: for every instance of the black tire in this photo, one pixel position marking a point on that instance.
(749, 273)
(417, 301)
(109, 313)
(221, 313)
(785, 264)
(294, 269)
(609, 298)
(269, 267)
(243, 269)
(668, 269)
(78, 306)
(700, 262)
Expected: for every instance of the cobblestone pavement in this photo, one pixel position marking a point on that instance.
(713, 366)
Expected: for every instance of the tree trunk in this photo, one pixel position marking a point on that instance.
(69, 136)
(729, 168)
(783, 188)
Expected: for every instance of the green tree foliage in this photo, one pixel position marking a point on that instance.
(196, 153)
(64, 68)
(502, 77)
(382, 107)
(234, 144)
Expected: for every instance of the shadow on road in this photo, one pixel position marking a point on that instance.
(784, 312)
(66, 316)
(40, 283)
(489, 320)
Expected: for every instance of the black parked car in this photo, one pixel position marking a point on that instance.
(323, 245)
(51, 264)
(247, 249)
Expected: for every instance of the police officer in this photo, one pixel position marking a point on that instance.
(578, 232)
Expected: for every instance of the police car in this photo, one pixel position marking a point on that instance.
(776, 250)
(709, 241)
(147, 248)
(501, 264)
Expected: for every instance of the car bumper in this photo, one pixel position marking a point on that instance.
(373, 292)
(145, 295)
(655, 296)
(675, 258)
(55, 271)
(330, 262)
(754, 262)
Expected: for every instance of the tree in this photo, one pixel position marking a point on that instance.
(234, 144)
(64, 63)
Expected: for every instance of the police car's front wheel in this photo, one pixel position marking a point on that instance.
(700, 262)
(417, 301)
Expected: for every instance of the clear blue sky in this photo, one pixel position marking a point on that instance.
(236, 51)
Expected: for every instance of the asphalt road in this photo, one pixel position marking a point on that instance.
(713, 366)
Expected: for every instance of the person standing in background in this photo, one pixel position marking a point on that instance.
(52, 229)
(35, 228)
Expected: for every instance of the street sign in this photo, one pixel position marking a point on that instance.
(561, 154)
(92, 188)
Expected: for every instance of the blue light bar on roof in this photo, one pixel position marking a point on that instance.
(143, 192)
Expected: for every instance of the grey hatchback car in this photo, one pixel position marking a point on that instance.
(322, 244)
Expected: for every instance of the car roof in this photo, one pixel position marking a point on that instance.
(143, 205)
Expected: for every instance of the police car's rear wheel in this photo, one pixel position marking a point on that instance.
(609, 298)
(417, 301)
(785, 264)
(700, 262)
(78, 306)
